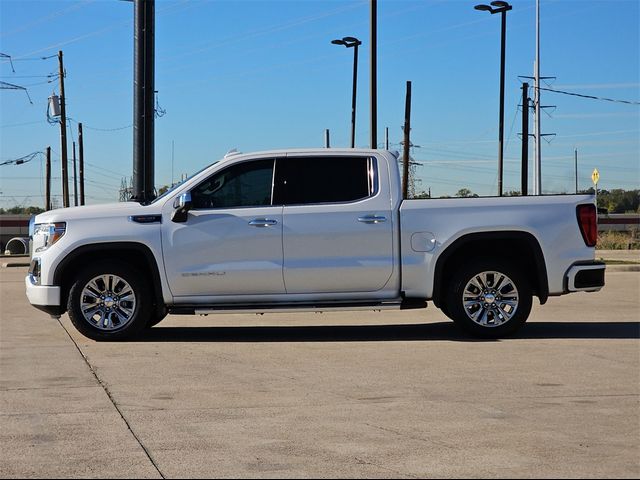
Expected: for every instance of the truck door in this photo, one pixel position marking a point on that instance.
(231, 243)
(338, 224)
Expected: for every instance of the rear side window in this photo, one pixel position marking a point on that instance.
(247, 184)
(301, 181)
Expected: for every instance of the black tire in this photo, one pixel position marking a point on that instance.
(500, 309)
(112, 293)
(444, 309)
(156, 318)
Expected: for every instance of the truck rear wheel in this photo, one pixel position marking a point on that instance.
(109, 301)
(489, 298)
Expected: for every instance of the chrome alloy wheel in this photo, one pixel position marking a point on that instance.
(107, 302)
(490, 299)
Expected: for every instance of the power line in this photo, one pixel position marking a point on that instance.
(593, 97)
(84, 125)
(21, 124)
(30, 76)
(4, 55)
(25, 159)
(11, 59)
(11, 86)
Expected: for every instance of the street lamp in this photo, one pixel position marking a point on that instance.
(352, 42)
(503, 8)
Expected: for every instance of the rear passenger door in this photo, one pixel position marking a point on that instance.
(337, 224)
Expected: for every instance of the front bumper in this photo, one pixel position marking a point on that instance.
(45, 298)
(585, 277)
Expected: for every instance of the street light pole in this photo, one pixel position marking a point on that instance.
(353, 95)
(503, 8)
(501, 130)
(352, 42)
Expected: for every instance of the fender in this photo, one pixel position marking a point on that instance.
(143, 256)
(492, 238)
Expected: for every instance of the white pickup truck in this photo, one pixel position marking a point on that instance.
(309, 230)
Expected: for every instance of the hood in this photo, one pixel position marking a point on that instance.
(104, 210)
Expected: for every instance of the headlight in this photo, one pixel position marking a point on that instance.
(46, 234)
(32, 222)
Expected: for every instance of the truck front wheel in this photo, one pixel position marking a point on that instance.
(489, 299)
(109, 301)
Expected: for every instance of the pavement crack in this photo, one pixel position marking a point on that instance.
(412, 437)
(112, 400)
(361, 461)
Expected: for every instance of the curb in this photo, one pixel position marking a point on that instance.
(623, 268)
(13, 264)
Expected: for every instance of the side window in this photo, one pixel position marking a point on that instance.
(301, 181)
(247, 184)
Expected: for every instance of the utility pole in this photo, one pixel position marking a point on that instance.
(537, 171)
(386, 138)
(407, 143)
(524, 174)
(143, 96)
(75, 178)
(81, 152)
(172, 159)
(373, 63)
(63, 134)
(327, 143)
(47, 182)
(576, 167)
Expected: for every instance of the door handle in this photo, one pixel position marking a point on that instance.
(372, 219)
(262, 222)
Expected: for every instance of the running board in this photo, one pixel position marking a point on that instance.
(296, 307)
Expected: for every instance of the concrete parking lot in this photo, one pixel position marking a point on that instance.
(391, 394)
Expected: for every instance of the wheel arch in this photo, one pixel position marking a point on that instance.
(132, 253)
(523, 248)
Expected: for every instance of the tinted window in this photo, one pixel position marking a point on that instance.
(246, 184)
(322, 180)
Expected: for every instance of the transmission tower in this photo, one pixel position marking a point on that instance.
(411, 189)
(125, 192)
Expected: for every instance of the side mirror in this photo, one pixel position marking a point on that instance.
(182, 205)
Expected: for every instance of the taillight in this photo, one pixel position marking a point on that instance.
(588, 221)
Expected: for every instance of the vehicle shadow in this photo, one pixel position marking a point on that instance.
(385, 333)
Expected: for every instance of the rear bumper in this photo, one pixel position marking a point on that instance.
(585, 277)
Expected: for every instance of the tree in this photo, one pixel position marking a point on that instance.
(617, 200)
(21, 210)
(465, 192)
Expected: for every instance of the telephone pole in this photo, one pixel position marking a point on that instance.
(63, 135)
(537, 171)
(407, 143)
(81, 152)
(373, 66)
(143, 107)
(576, 167)
(75, 178)
(47, 182)
(524, 174)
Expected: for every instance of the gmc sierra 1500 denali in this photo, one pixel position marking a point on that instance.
(309, 230)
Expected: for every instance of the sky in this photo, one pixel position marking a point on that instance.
(260, 75)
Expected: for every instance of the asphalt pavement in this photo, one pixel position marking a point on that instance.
(358, 395)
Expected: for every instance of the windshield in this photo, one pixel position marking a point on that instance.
(180, 183)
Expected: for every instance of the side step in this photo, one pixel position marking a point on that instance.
(296, 307)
